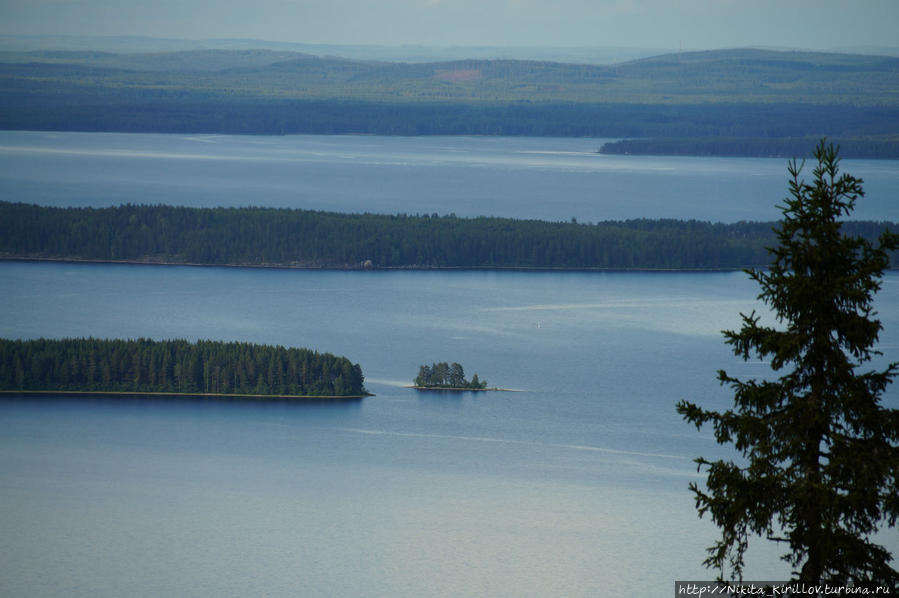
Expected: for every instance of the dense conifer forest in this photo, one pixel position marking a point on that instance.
(174, 366)
(856, 127)
(300, 238)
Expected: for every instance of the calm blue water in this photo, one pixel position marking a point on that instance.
(552, 179)
(574, 486)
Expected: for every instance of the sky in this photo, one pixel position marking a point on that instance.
(687, 24)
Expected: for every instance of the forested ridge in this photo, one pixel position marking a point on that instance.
(174, 112)
(690, 78)
(751, 94)
(174, 366)
(301, 238)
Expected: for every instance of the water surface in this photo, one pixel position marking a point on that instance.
(575, 486)
(543, 178)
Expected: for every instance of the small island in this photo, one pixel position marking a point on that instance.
(443, 376)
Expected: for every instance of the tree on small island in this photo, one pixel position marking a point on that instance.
(443, 375)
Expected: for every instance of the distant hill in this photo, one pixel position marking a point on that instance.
(766, 75)
(690, 77)
(186, 61)
(387, 53)
(741, 93)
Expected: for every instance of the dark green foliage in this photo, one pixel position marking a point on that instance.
(444, 375)
(820, 468)
(174, 366)
(192, 112)
(765, 147)
(280, 237)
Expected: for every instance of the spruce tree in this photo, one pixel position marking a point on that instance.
(820, 466)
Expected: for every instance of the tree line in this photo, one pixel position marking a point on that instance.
(869, 147)
(174, 366)
(70, 109)
(444, 375)
(303, 238)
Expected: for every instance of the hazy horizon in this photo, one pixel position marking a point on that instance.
(687, 25)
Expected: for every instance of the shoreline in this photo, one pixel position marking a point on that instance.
(74, 260)
(202, 395)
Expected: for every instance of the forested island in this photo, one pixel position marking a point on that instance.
(312, 239)
(743, 101)
(143, 366)
(444, 376)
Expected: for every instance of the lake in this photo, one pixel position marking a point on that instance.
(543, 178)
(573, 485)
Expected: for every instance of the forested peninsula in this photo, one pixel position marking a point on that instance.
(175, 367)
(267, 237)
(873, 147)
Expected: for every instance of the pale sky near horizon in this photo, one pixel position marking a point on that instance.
(689, 24)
